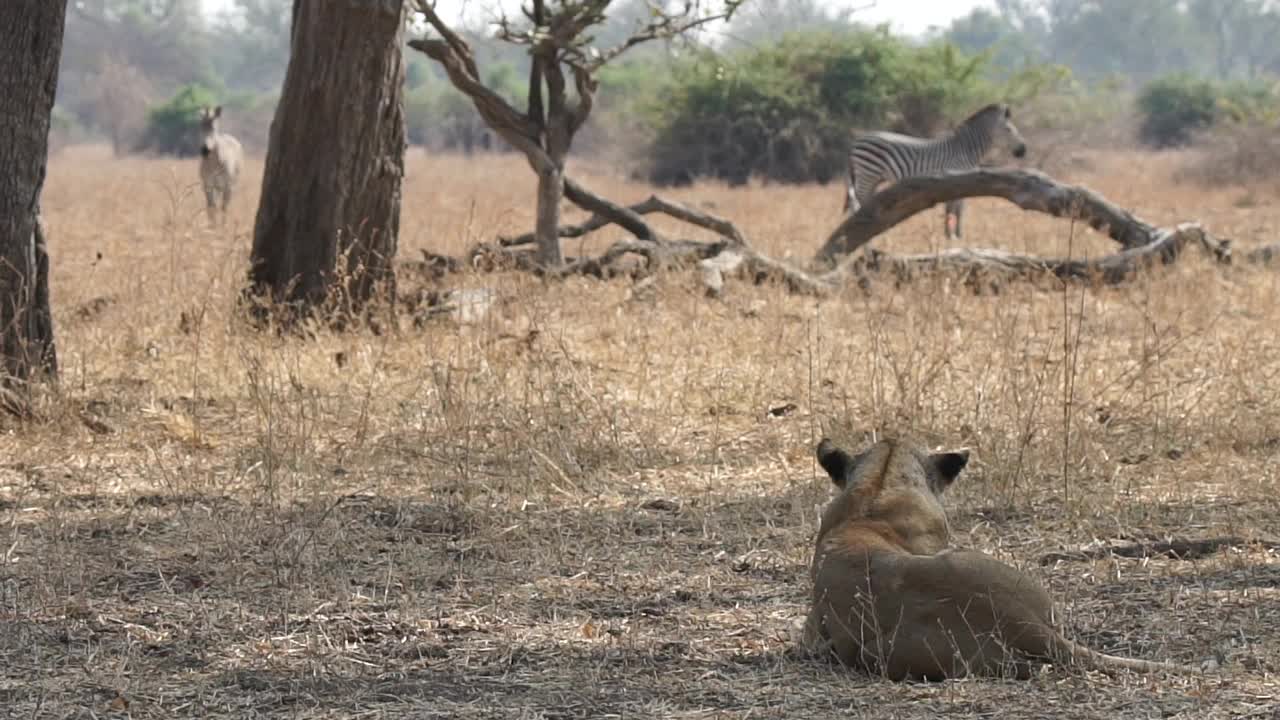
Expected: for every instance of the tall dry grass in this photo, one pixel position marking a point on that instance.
(217, 513)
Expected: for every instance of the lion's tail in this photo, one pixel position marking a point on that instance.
(1102, 661)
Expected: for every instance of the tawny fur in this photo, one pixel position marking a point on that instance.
(890, 597)
(220, 160)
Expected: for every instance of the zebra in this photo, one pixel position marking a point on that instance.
(220, 159)
(884, 156)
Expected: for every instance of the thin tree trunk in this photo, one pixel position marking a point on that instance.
(547, 229)
(30, 48)
(329, 216)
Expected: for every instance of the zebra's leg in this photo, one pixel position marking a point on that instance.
(851, 203)
(850, 198)
(211, 204)
(860, 190)
(955, 208)
(226, 202)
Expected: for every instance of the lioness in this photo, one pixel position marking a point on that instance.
(889, 597)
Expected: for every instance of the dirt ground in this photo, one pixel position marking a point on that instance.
(596, 502)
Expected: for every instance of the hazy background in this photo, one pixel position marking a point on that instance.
(775, 93)
(906, 16)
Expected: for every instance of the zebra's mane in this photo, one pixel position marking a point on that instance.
(996, 109)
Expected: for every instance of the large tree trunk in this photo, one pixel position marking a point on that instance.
(30, 47)
(329, 215)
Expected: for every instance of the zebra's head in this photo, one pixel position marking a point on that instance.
(995, 121)
(209, 129)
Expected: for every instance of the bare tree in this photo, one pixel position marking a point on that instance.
(557, 33)
(329, 216)
(29, 51)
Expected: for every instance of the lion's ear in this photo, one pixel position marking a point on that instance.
(949, 464)
(838, 463)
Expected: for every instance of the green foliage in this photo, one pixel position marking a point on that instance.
(1174, 108)
(1251, 103)
(785, 111)
(172, 125)
(438, 115)
(417, 70)
(62, 121)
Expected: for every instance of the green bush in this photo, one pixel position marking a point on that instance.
(173, 126)
(785, 112)
(1249, 103)
(1174, 108)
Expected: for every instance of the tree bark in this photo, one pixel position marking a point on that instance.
(30, 48)
(329, 216)
(547, 232)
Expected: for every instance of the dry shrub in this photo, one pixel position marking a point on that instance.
(1240, 154)
(1063, 151)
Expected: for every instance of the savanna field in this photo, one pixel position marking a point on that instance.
(595, 500)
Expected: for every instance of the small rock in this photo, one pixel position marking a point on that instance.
(471, 305)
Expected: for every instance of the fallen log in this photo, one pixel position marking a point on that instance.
(1027, 189)
(1142, 245)
(1179, 549)
(657, 256)
(1164, 249)
(741, 258)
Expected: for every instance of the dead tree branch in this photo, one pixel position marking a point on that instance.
(1162, 246)
(566, 29)
(514, 127)
(761, 268)
(1113, 269)
(606, 211)
(1027, 189)
(609, 213)
(1179, 549)
(656, 256)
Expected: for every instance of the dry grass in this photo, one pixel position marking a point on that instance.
(457, 521)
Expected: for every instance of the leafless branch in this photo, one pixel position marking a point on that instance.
(607, 213)
(662, 27)
(452, 39)
(586, 86)
(511, 124)
(564, 29)
(536, 113)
